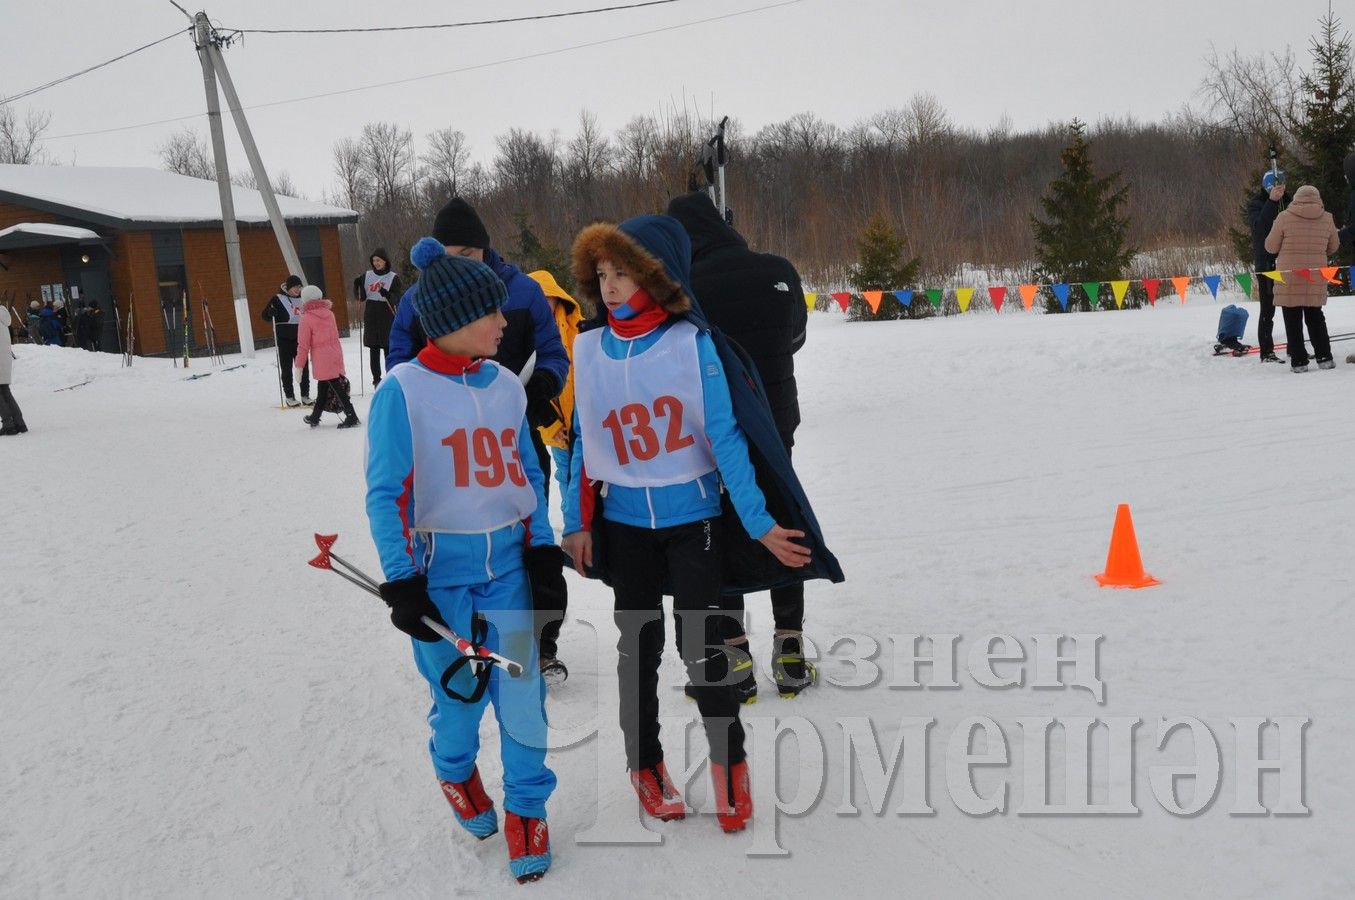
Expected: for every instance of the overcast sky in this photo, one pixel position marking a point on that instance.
(840, 59)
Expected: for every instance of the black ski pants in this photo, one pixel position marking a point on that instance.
(1265, 325)
(687, 558)
(286, 355)
(374, 357)
(11, 417)
(1294, 319)
(334, 386)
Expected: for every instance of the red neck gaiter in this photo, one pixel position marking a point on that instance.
(638, 315)
(445, 363)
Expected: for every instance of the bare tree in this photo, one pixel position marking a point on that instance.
(1254, 95)
(282, 182)
(354, 187)
(187, 153)
(20, 136)
(388, 159)
(448, 160)
(526, 163)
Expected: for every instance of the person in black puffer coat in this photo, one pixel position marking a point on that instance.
(755, 299)
(1261, 212)
(380, 292)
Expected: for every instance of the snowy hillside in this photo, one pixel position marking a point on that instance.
(187, 709)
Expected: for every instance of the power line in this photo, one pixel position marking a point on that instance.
(560, 15)
(54, 82)
(463, 69)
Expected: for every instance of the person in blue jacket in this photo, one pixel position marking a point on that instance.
(655, 444)
(457, 510)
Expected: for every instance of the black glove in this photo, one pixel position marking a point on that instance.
(384, 292)
(541, 388)
(545, 570)
(409, 602)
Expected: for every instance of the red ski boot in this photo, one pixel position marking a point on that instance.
(474, 810)
(528, 846)
(733, 796)
(657, 794)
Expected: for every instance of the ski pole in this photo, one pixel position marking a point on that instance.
(481, 655)
(282, 403)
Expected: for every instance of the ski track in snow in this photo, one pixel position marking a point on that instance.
(189, 710)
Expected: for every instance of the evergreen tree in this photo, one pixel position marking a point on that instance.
(881, 267)
(1327, 131)
(1083, 236)
(532, 254)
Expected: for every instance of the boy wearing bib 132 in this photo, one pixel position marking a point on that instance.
(654, 427)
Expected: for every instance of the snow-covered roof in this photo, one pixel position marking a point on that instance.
(44, 229)
(130, 197)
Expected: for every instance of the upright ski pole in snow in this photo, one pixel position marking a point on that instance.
(185, 328)
(277, 351)
(480, 656)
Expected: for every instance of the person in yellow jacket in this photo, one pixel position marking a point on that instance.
(557, 435)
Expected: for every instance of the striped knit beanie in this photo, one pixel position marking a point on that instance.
(453, 291)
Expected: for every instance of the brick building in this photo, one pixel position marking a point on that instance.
(124, 237)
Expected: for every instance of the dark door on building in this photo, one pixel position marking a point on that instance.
(174, 306)
(86, 267)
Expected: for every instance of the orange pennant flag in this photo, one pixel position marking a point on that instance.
(1329, 273)
(1028, 292)
(1181, 282)
(963, 296)
(873, 298)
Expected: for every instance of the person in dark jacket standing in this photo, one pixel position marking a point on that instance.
(284, 311)
(1261, 212)
(381, 290)
(756, 299)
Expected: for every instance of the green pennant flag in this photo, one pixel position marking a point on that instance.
(934, 296)
(1093, 290)
(1244, 281)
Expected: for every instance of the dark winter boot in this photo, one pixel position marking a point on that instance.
(474, 810)
(745, 688)
(657, 794)
(528, 846)
(311, 419)
(793, 673)
(733, 796)
(350, 421)
(1270, 358)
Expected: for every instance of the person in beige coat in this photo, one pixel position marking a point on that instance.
(11, 417)
(1303, 237)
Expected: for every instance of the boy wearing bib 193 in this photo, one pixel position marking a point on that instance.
(654, 427)
(455, 506)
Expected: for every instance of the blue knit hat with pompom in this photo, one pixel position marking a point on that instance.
(452, 291)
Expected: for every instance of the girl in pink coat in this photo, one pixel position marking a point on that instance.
(318, 337)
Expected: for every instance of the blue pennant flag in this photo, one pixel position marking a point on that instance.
(905, 297)
(1213, 282)
(1061, 291)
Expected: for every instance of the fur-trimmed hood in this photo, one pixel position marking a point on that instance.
(654, 250)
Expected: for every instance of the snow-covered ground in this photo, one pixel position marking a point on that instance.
(187, 709)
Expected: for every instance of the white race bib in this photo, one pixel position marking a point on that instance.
(643, 418)
(468, 474)
(373, 283)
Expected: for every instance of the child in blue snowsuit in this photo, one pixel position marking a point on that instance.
(454, 506)
(654, 426)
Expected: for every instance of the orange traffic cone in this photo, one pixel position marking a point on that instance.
(1124, 567)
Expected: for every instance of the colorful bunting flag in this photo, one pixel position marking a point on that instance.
(1093, 291)
(1119, 289)
(1274, 275)
(1244, 280)
(1329, 273)
(997, 295)
(843, 299)
(873, 298)
(1151, 285)
(1061, 292)
(1305, 274)
(1028, 292)
(963, 296)
(1181, 282)
(905, 297)
(934, 296)
(1213, 282)
(810, 300)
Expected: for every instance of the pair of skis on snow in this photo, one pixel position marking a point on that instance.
(1221, 349)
